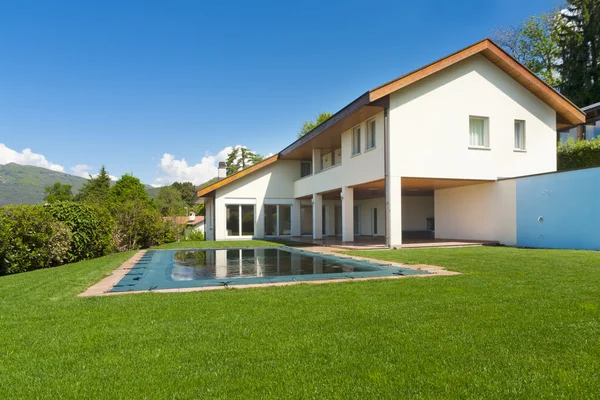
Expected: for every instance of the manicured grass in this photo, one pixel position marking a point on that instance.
(516, 324)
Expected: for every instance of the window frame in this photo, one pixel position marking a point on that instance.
(278, 220)
(371, 135)
(240, 234)
(356, 131)
(309, 163)
(486, 133)
(523, 132)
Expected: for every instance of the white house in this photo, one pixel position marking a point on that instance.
(420, 155)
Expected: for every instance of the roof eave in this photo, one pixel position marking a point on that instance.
(563, 106)
(204, 192)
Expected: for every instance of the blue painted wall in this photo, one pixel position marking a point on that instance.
(569, 206)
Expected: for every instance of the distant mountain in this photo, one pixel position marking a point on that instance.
(24, 184)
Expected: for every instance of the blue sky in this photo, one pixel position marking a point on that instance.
(159, 89)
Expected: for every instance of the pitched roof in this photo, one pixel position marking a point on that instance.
(567, 112)
(563, 106)
(232, 178)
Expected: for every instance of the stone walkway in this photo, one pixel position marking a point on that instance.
(102, 288)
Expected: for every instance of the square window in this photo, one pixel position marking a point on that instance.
(479, 135)
(519, 135)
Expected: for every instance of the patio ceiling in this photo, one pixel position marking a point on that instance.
(411, 186)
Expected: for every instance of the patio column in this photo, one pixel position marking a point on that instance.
(394, 212)
(316, 161)
(317, 210)
(347, 214)
(296, 218)
(209, 212)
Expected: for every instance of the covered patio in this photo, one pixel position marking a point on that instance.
(326, 222)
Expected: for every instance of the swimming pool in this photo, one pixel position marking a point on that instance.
(174, 269)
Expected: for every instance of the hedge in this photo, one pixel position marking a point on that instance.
(580, 154)
(31, 239)
(91, 228)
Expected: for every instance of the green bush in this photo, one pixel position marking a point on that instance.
(170, 232)
(31, 239)
(580, 154)
(194, 235)
(91, 228)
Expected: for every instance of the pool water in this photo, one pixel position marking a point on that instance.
(171, 269)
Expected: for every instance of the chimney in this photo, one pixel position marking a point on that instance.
(222, 170)
(191, 216)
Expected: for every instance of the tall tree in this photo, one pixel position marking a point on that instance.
(58, 192)
(134, 213)
(308, 126)
(169, 201)
(187, 191)
(535, 44)
(241, 157)
(97, 189)
(580, 51)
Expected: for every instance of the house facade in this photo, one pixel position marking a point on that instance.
(422, 156)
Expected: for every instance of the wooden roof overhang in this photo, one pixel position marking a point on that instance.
(567, 113)
(328, 134)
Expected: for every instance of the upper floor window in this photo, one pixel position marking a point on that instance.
(371, 132)
(356, 140)
(305, 168)
(519, 135)
(479, 132)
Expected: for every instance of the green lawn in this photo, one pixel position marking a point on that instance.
(516, 324)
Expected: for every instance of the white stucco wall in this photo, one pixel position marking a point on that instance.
(415, 211)
(366, 216)
(364, 167)
(272, 184)
(429, 125)
(486, 211)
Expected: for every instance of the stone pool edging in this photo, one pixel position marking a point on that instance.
(102, 288)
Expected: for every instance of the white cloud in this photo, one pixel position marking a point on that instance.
(81, 170)
(174, 170)
(26, 157)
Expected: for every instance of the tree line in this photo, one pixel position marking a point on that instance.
(562, 47)
(100, 219)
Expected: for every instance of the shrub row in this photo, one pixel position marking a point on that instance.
(43, 236)
(580, 154)
(30, 239)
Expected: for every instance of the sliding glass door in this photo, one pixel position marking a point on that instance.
(240, 220)
(306, 225)
(278, 220)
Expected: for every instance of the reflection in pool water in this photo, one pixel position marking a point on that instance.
(242, 263)
(198, 268)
